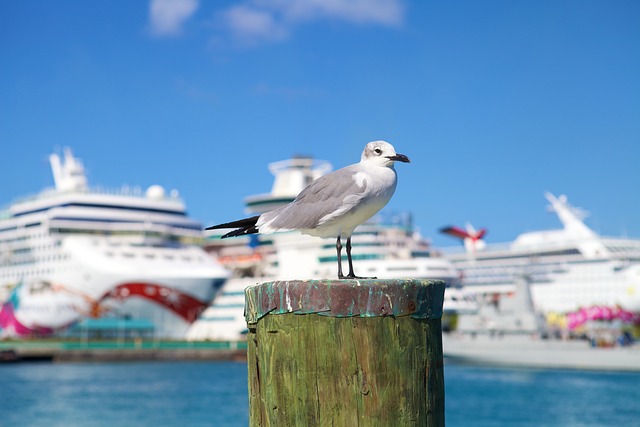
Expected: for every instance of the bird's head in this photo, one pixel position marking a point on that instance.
(382, 153)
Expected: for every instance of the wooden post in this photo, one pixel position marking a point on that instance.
(345, 353)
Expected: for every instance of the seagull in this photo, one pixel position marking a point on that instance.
(334, 204)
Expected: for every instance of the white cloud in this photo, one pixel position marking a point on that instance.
(383, 12)
(265, 20)
(248, 24)
(168, 16)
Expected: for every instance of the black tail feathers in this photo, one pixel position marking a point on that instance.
(242, 227)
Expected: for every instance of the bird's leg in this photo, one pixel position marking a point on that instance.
(351, 274)
(339, 250)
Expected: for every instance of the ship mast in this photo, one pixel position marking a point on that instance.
(68, 175)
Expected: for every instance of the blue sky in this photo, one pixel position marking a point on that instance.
(495, 102)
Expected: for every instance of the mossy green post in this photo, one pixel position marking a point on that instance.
(345, 353)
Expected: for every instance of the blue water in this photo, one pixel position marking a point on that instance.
(484, 397)
(215, 394)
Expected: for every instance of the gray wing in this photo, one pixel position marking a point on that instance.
(322, 197)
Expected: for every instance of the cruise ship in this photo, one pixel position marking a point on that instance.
(387, 247)
(570, 268)
(73, 255)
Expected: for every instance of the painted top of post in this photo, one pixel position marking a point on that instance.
(421, 299)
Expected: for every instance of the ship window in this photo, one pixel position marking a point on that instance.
(402, 269)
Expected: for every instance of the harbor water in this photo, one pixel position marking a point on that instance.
(215, 394)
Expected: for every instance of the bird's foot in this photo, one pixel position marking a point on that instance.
(354, 277)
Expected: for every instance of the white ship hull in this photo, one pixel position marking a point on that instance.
(98, 279)
(48, 306)
(520, 351)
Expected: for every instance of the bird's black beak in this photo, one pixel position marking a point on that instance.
(399, 158)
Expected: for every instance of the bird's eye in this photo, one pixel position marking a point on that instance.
(377, 151)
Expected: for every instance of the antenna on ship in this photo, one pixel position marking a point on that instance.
(68, 175)
(588, 241)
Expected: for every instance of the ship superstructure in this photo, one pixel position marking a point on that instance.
(570, 268)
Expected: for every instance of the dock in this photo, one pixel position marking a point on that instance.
(53, 350)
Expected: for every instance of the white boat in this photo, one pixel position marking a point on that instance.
(570, 268)
(382, 248)
(72, 253)
(508, 332)
(523, 351)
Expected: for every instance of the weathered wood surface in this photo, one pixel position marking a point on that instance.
(367, 369)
